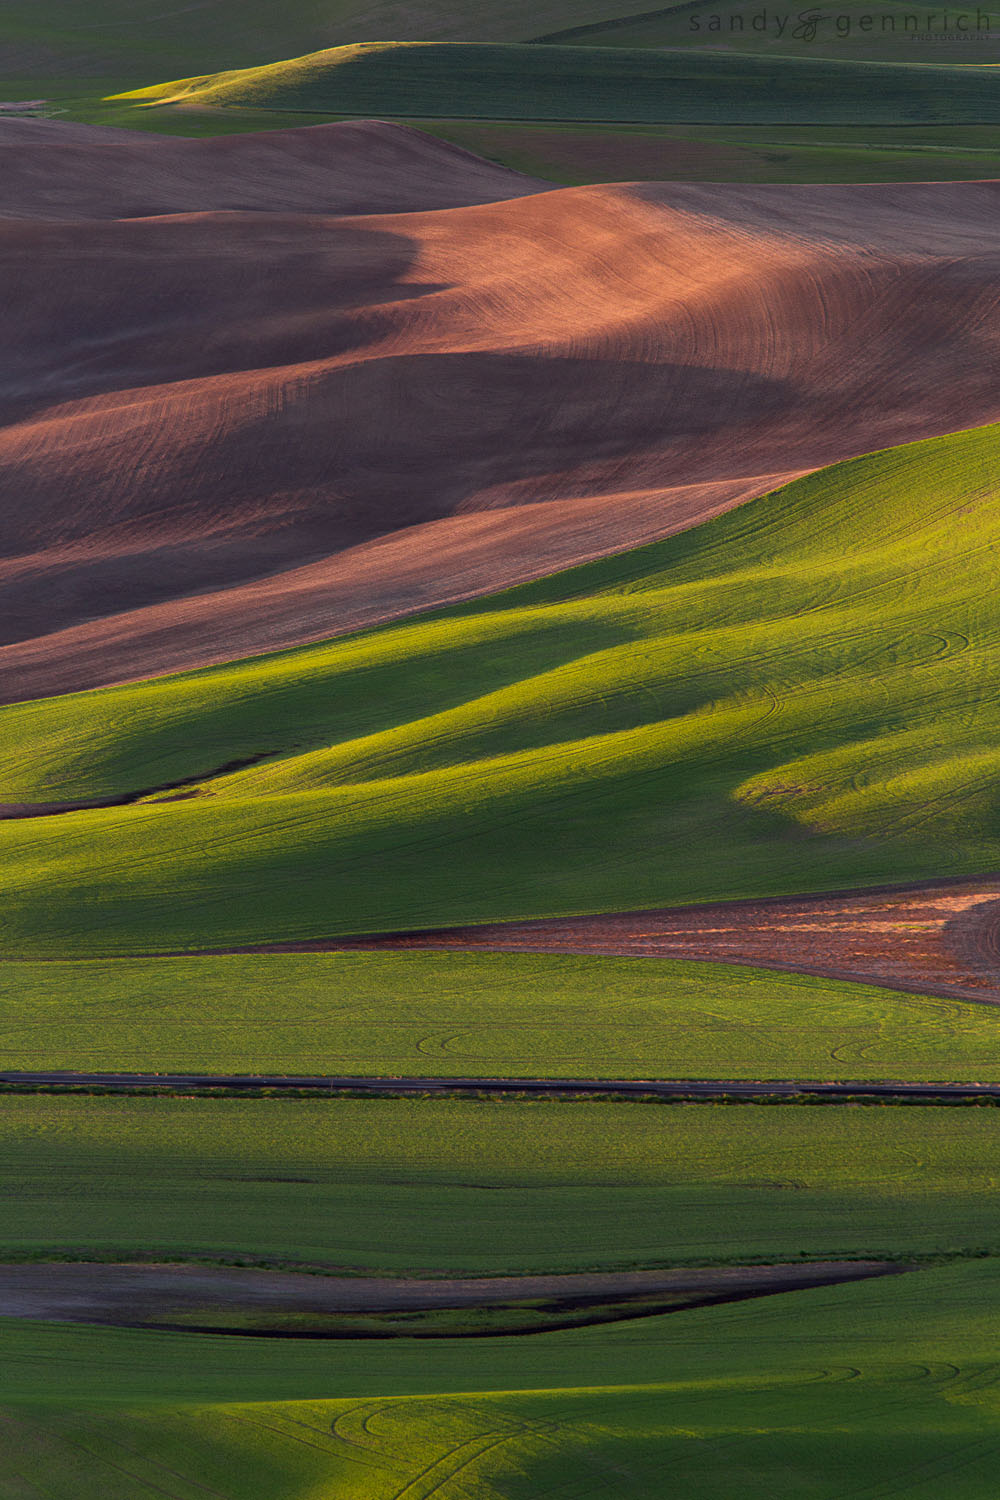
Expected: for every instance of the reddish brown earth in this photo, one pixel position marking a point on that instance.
(438, 563)
(223, 432)
(941, 938)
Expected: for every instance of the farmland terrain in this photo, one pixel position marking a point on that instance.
(939, 939)
(477, 1188)
(546, 1015)
(597, 83)
(144, 40)
(466, 634)
(742, 689)
(755, 332)
(902, 1363)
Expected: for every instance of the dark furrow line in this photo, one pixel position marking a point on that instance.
(688, 1090)
(126, 799)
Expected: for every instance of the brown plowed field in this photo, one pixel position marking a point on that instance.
(222, 432)
(51, 169)
(415, 568)
(938, 939)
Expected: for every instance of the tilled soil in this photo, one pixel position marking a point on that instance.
(382, 374)
(156, 1294)
(941, 938)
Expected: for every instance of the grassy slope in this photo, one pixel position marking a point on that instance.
(577, 154)
(897, 32)
(879, 1388)
(146, 38)
(514, 1014)
(595, 83)
(798, 695)
(456, 1186)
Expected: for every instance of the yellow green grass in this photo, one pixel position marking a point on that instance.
(454, 1014)
(512, 81)
(798, 695)
(876, 1388)
(431, 1186)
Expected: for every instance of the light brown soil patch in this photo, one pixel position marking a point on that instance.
(224, 432)
(941, 938)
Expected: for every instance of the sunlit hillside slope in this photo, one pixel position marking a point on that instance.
(513, 81)
(799, 694)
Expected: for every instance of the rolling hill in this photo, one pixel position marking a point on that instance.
(793, 696)
(142, 38)
(724, 1399)
(55, 170)
(897, 32)
(391, 542)
(718, 1398)
(328, 421)
(512, 81)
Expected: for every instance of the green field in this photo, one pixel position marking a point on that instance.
(429, 1186)
(875, 1389)
(518, 1015)
(578, 154)
(141, 40)
(573, 154)
(144, 39)
(511, 81)
(892, 31)
(795, 696)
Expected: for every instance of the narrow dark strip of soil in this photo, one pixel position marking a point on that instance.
(679, 1090)
(254, 1302)
(126, 799)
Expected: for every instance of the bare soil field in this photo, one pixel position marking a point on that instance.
(225, 430)
(59, 170)
(438, 563)
(165, 1295)
(942, 938)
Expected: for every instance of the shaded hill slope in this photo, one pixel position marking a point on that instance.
(797, 695)
(196, 401)
(903, 1364)
(145, 39)
(55, 170)
(852, 31)
(512, 81)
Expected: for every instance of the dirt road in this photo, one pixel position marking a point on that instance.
(691, 1090)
